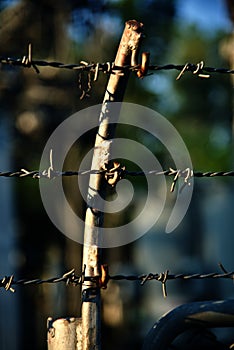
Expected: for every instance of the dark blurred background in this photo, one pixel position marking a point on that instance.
(33, 105)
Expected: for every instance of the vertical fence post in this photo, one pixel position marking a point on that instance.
(84, 333)
(126, 55)
(64, 334)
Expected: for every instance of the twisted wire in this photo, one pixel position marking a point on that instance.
(158, 276)
(70, 278)
(191, 68)
(36, 174)
(105, 67)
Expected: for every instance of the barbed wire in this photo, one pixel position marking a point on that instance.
(115, 173)
(109, 67)
(70, 278)
(191, 67)
(92, 69)
(36, 174)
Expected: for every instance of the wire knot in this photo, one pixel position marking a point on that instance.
(147, 278)
(198, 70)
(70, 278)
(187, 174)
(49, 173)
(27, 60)
(7, 282)
(163, 277)
(107, 67)
(113, 172)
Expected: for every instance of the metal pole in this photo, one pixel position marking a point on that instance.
(126, 55)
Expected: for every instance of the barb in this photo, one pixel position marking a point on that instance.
(113, 173)
(7, 282)
(70, 278)
(198, 69)
(27, 60)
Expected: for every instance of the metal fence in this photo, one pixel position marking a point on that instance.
(92, 70)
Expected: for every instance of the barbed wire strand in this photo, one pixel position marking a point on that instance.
(92, 69)
(108, 67)
(116, 173)
(70, 278)
(36, 174)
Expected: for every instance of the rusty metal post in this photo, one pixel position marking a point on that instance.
(64, 334)
(126, 55)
